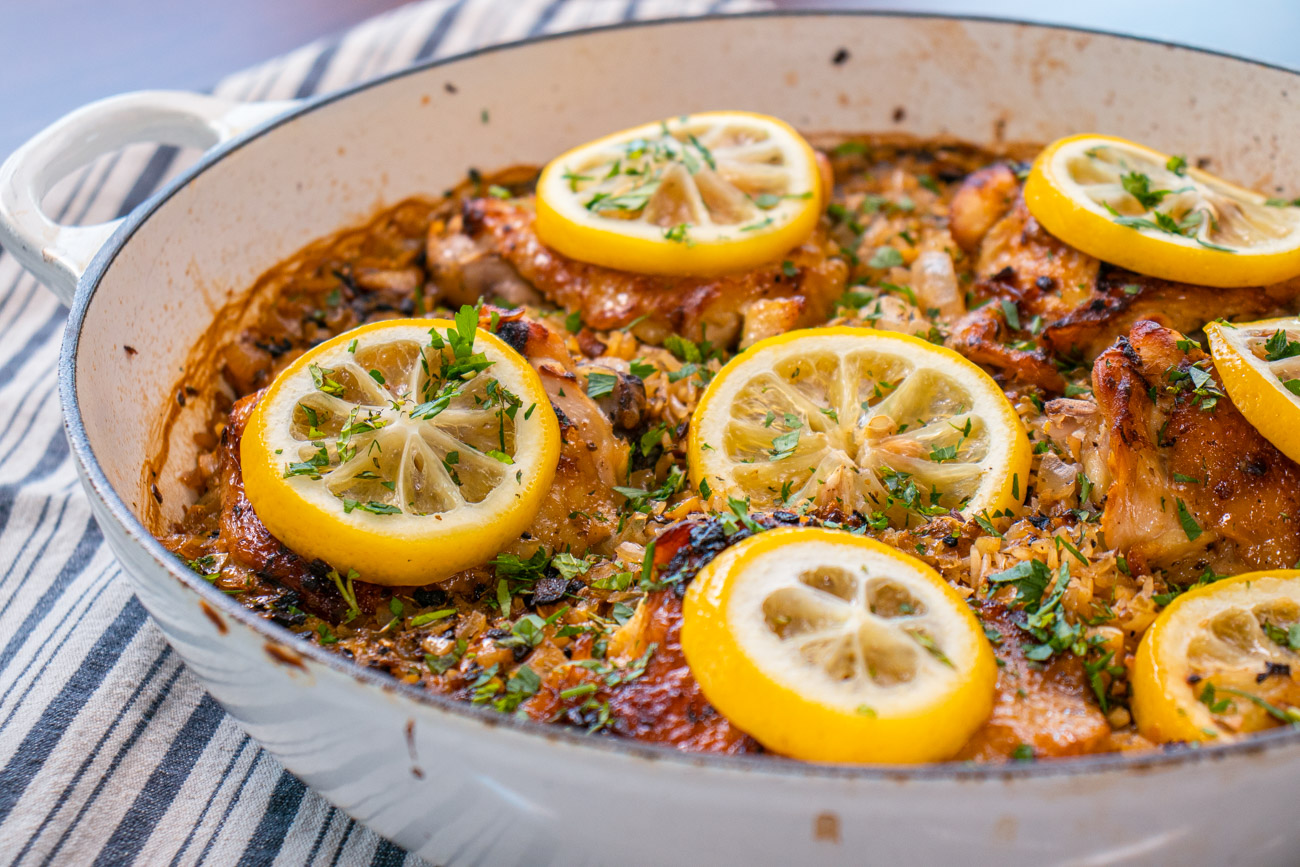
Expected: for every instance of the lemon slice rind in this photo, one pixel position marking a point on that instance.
(1255, 384)
(359, 476)
(1219, 624)
(697, 195)
(1224, 235)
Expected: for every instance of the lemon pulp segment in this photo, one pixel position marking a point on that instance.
(858, 420)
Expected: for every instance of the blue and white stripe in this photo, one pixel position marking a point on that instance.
(110, 752)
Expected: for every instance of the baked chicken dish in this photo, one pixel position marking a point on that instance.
(841, 449)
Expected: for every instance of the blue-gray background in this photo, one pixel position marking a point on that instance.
(62, 53)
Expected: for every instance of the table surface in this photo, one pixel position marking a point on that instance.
(64, 53)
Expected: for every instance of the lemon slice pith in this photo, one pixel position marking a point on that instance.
(1259, 371)
(403, 454)
(858, 420)
(1217, 662)
(1143, 210)
(831, 647)
(695, 195)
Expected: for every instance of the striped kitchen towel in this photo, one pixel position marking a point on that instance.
(110, 752)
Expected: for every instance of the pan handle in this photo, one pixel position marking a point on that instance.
(58, 255)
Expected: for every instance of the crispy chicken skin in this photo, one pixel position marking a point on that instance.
(697, 308)
(1182, 448)
(1121, 298)
(664, 705)
(1045, 706)
(245, 538)
(1083, 304)
(984, 337)
(1047, 274)
(981, 200)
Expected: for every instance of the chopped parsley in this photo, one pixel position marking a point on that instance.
(1012, 313)
(1288, 638)
(431, 617)
(601, 384)
(1138, 185)
(347, 591)
(1278, 347)
(986, 525)
(1291, 716)
(1190, 527)
(1209, 698)
(513, 566)
(372, 507)
(942, 454)
(639, 499)
(784, 445)
(678, 233)
(641, 369)
(321, 378)
(885, 257)
(569, 566)
(1030, 579)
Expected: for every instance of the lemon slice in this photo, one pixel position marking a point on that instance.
(858, 420)
(1146, 211)
(700, 194)
(1218, 660)
(1259, 363)
(407, 450)
(831, 647)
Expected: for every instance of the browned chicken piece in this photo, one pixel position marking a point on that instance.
(984, 337)
(663, 705)
(1033, 266)
(698, 308)
(1195, 485)
(1122, 298)
(580, 512)
(666, 704)
(248, 542)
(1045, 706)
(1079, 431)
(465, 270)
(981, 200)
(1084, 304)
(1020, 269)
(768, 317)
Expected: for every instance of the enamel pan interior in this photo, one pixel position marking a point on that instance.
(337, 159)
